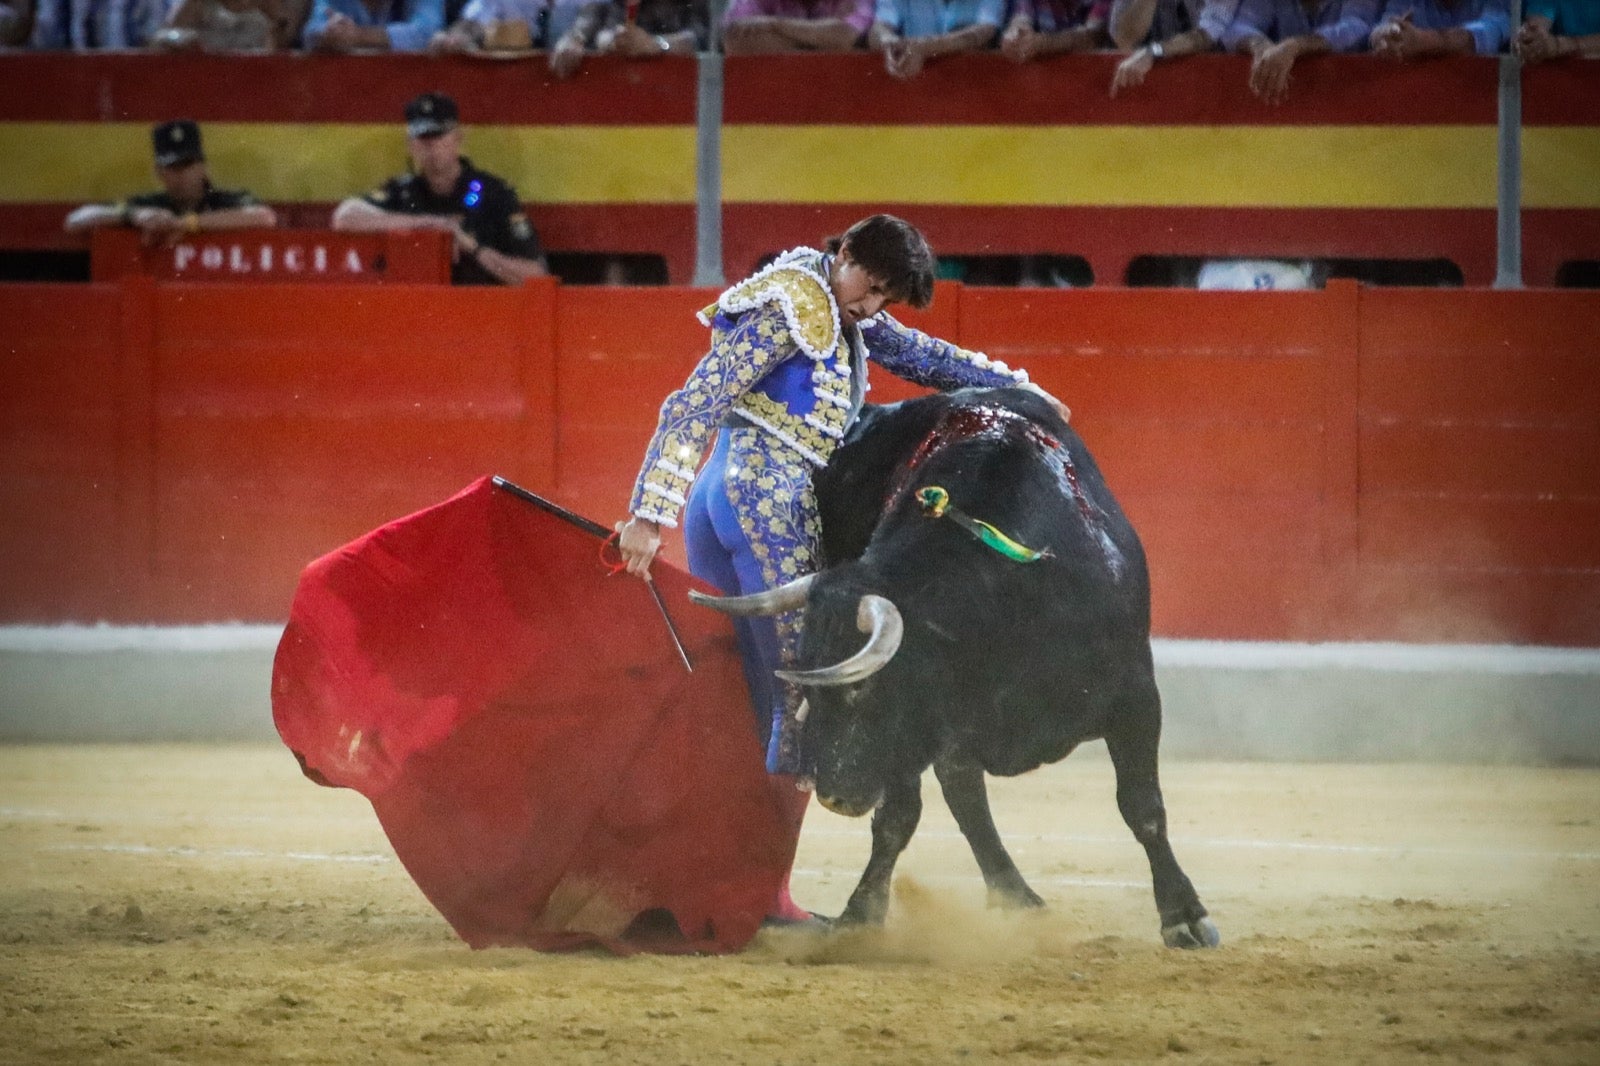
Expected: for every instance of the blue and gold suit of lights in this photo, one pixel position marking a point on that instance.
(781, 384)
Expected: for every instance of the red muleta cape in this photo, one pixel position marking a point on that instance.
(546, 768)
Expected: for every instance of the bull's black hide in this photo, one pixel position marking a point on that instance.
(1004, 665)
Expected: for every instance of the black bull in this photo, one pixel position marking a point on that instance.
(977, 662)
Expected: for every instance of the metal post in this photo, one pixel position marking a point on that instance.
(708, 173)
(708, 157)
(1508, 255)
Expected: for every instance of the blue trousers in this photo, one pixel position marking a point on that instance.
(750, 524)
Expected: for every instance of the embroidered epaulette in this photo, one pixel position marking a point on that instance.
(801, 291)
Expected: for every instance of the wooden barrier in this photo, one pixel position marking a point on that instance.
(1348, 464)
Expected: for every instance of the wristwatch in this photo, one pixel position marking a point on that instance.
(1158, 51)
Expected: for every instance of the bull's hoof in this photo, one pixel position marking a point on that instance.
(1015, 899)
(860, 913)
(811, 923)
(1200, 933)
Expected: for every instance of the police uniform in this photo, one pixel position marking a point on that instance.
(782, 383)
(214, 200)
(178, 143)
(489, 210)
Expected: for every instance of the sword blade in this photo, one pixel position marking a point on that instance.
(661, 606)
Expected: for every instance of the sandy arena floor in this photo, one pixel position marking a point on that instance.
(208, 905)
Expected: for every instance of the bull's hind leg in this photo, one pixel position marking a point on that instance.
(892, 825)
(968, 799)
(1184, 923)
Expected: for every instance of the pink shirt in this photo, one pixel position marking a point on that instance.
(857, 14)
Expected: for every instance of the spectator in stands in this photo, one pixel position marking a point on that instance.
(911, 32)
(1256, 275)
(1052, 27)
(494, 242)
(1553, 29)
(1413, 29)
(660, 27)
(232, 25)
(1135, 22)
(758, 27)
(1176, 28)
(572, 29)
(1278, 32)
(513, 26)
(91, 24)
(16, 21)
(373, 25)
(187, 203)
(493, 26)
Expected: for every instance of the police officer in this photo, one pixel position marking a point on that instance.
(187, 202)
(494, 242)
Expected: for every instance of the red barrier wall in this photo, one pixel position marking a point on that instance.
(1348, 464)
(270, 256)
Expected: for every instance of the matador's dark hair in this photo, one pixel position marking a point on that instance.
(893, 251)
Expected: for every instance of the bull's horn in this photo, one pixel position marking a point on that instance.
(876, 615)
(788, 597)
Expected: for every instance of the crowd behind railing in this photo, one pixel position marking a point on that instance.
(494, 242)
(907, 33)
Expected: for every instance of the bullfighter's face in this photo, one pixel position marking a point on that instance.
(859, 294)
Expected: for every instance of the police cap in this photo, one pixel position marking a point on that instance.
(430, 115)
(176, 143)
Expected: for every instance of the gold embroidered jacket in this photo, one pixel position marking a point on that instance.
(780, 360)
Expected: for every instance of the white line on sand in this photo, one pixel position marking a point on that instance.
(1395, 851)
(309, 856)
(220, 853)
(1225, 654)
(1179, 841)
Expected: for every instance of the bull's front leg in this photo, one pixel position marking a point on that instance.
(1184, 921)
(892, 825)
(968, 799)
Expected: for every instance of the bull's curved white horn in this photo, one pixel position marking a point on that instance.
(876, 615)
(789, 597)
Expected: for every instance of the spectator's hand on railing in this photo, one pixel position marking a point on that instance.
(1269, 71)
(566, 57)
(339, 35)
(631, 41)
(453, 41)
(174, 39)
(1131, 72)
(1399, 38)
(1534, 43)
(904, 58)
(1019, 43)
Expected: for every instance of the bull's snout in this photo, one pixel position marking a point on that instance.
(847, 807)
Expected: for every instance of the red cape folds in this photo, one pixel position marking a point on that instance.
(546, 768)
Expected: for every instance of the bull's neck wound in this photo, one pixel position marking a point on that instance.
(961, 424)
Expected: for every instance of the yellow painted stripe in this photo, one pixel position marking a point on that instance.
(1228, 166)
(1561, 166)
(1224, 166)
(81, 162)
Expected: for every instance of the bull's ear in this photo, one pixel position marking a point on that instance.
(789, 597)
